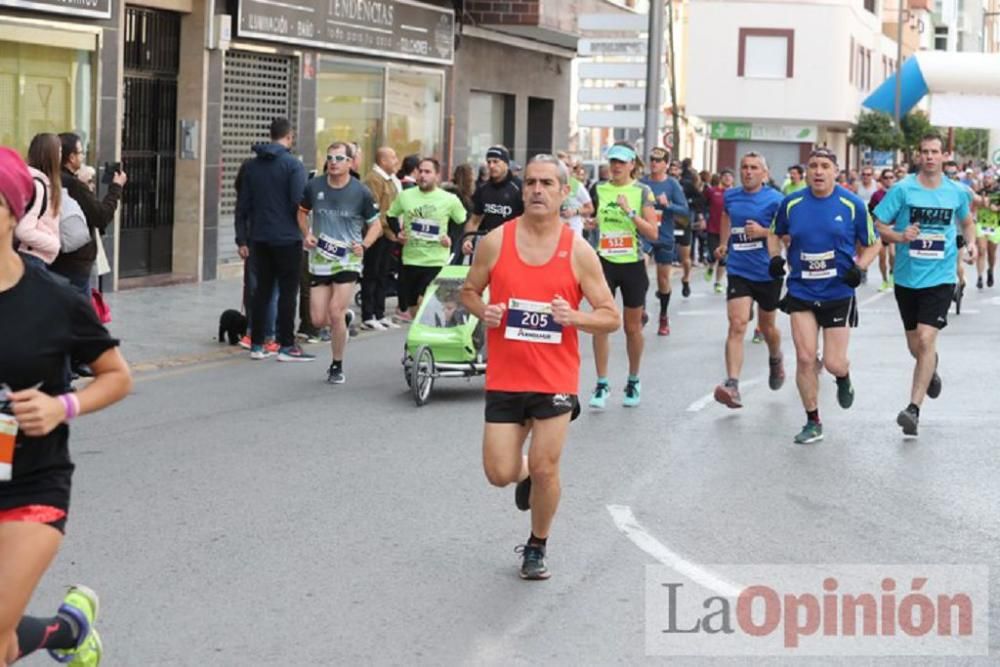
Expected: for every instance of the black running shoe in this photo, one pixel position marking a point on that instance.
(934, 386)
(335, 375)
(845, 392)
(989, 277)
(979, 282)
(533, 565)
(685, 289)
(909, 420)
(522, 494)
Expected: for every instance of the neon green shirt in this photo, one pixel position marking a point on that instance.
(619, 238)
(424, 217)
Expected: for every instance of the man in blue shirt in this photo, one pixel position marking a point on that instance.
(823, 224)
(747, 214)
(919, 215)
(670, 200)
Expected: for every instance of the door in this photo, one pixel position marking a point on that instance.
(149, 134)
(540, 116)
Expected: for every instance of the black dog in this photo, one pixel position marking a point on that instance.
(232, 325)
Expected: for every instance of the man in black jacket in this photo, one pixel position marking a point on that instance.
(270, 192)
(77, 266)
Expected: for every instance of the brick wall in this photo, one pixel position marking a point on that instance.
(504, 12)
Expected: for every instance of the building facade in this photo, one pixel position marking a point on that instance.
(178, 91)
(782, 77)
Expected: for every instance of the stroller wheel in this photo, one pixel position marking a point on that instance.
(357, 298)
(422, 375)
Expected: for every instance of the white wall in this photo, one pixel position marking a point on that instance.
(820, 90)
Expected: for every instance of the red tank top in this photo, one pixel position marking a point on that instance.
(529, 352)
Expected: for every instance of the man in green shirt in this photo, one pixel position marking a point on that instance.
(796, 180)
(424, 213)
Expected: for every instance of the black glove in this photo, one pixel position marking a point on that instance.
(777, 267)
(853, 276)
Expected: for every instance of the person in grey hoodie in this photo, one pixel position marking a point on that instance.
(271, 190)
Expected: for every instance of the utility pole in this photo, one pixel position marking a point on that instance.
(654, 76)
(899, 74)
(674, 106)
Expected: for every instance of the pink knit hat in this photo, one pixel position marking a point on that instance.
(15, 182)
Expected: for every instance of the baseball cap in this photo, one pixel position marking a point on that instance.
(621, 153)
(15, 182)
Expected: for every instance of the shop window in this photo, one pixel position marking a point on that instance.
(349, 107)
(44, 89)
(414, 113)
(766, 53)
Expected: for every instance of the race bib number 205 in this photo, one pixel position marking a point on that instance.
(531, 321)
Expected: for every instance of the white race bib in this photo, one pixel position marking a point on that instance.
(742, 242)
(617, 243)
(531, 321)
(333, 250)
(818, 265)
(928, 246)
(426, 230)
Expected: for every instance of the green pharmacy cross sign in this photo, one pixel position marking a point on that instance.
(726, 130)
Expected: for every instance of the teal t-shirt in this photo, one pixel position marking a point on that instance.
(424, 217)
(929, 260)
(339, 219)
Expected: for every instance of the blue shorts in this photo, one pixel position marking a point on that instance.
(662, 251)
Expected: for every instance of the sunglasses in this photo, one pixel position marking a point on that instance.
(653, 158)
(951, 173)
(337, 158)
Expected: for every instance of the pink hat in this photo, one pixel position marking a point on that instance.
(15, 182)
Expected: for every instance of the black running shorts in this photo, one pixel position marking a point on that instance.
(767, 294)
(517, 407)
(631, 278)
(414, 280)
(829, 314)
(924, 306)
(339, 278)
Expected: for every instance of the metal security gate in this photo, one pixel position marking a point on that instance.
(149, 134)
(257, 87)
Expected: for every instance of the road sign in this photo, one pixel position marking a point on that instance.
(668, 139)
(613, 22)
(613, 71)
(616, 95)
(612, 47)
(622, 119)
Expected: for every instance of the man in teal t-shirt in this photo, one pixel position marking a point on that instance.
(920, 215)
(424, 214)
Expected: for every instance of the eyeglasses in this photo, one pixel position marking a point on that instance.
(337, 158)
(653, 158)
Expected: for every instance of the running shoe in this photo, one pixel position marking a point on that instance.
(257, 352)
(522, 494)
(403, 318)
(718, 288)
(776, 376)
(294, 353)
(388, 323)
(708, 273)
(728, 393)
(633, 390)
(885, 286)
(758, 336)
(272, 347)
(934, 387)
(245, 343)
(845, 393)
(810, 433)
(373, 325)
(909, 420)
(599, 399)
(81, 604)
(349, 318)
(664, 329)
(685, 289)
(335, 375)
(989, 277)
(957, 298)
(979, 282)
(309, 337)
(533, 563)
(324, 335)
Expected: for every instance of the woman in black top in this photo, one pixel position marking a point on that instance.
(43, 321)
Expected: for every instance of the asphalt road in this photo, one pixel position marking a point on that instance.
(241, 512)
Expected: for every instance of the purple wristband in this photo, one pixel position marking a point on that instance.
(70, 405)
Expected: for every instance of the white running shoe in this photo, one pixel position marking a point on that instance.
(373, 325)
(388, 323)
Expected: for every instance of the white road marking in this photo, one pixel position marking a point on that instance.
(708, 399)
(626, 522)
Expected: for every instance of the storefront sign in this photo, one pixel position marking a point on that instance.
(96, 9)
(762, 132)
(386, 28)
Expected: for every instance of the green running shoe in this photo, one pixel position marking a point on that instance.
(845, 393)
(632, 391)
(708, 274)
(81, 604)
(599, 399)
(810, 433)
(885, 286)
(718, 288)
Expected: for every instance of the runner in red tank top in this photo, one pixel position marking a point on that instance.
(538, 271)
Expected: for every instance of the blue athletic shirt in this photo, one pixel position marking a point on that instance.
(747, 257)
(678, 205)
(929, 260)
(823, 234)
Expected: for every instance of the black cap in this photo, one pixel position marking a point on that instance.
(498, 153)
